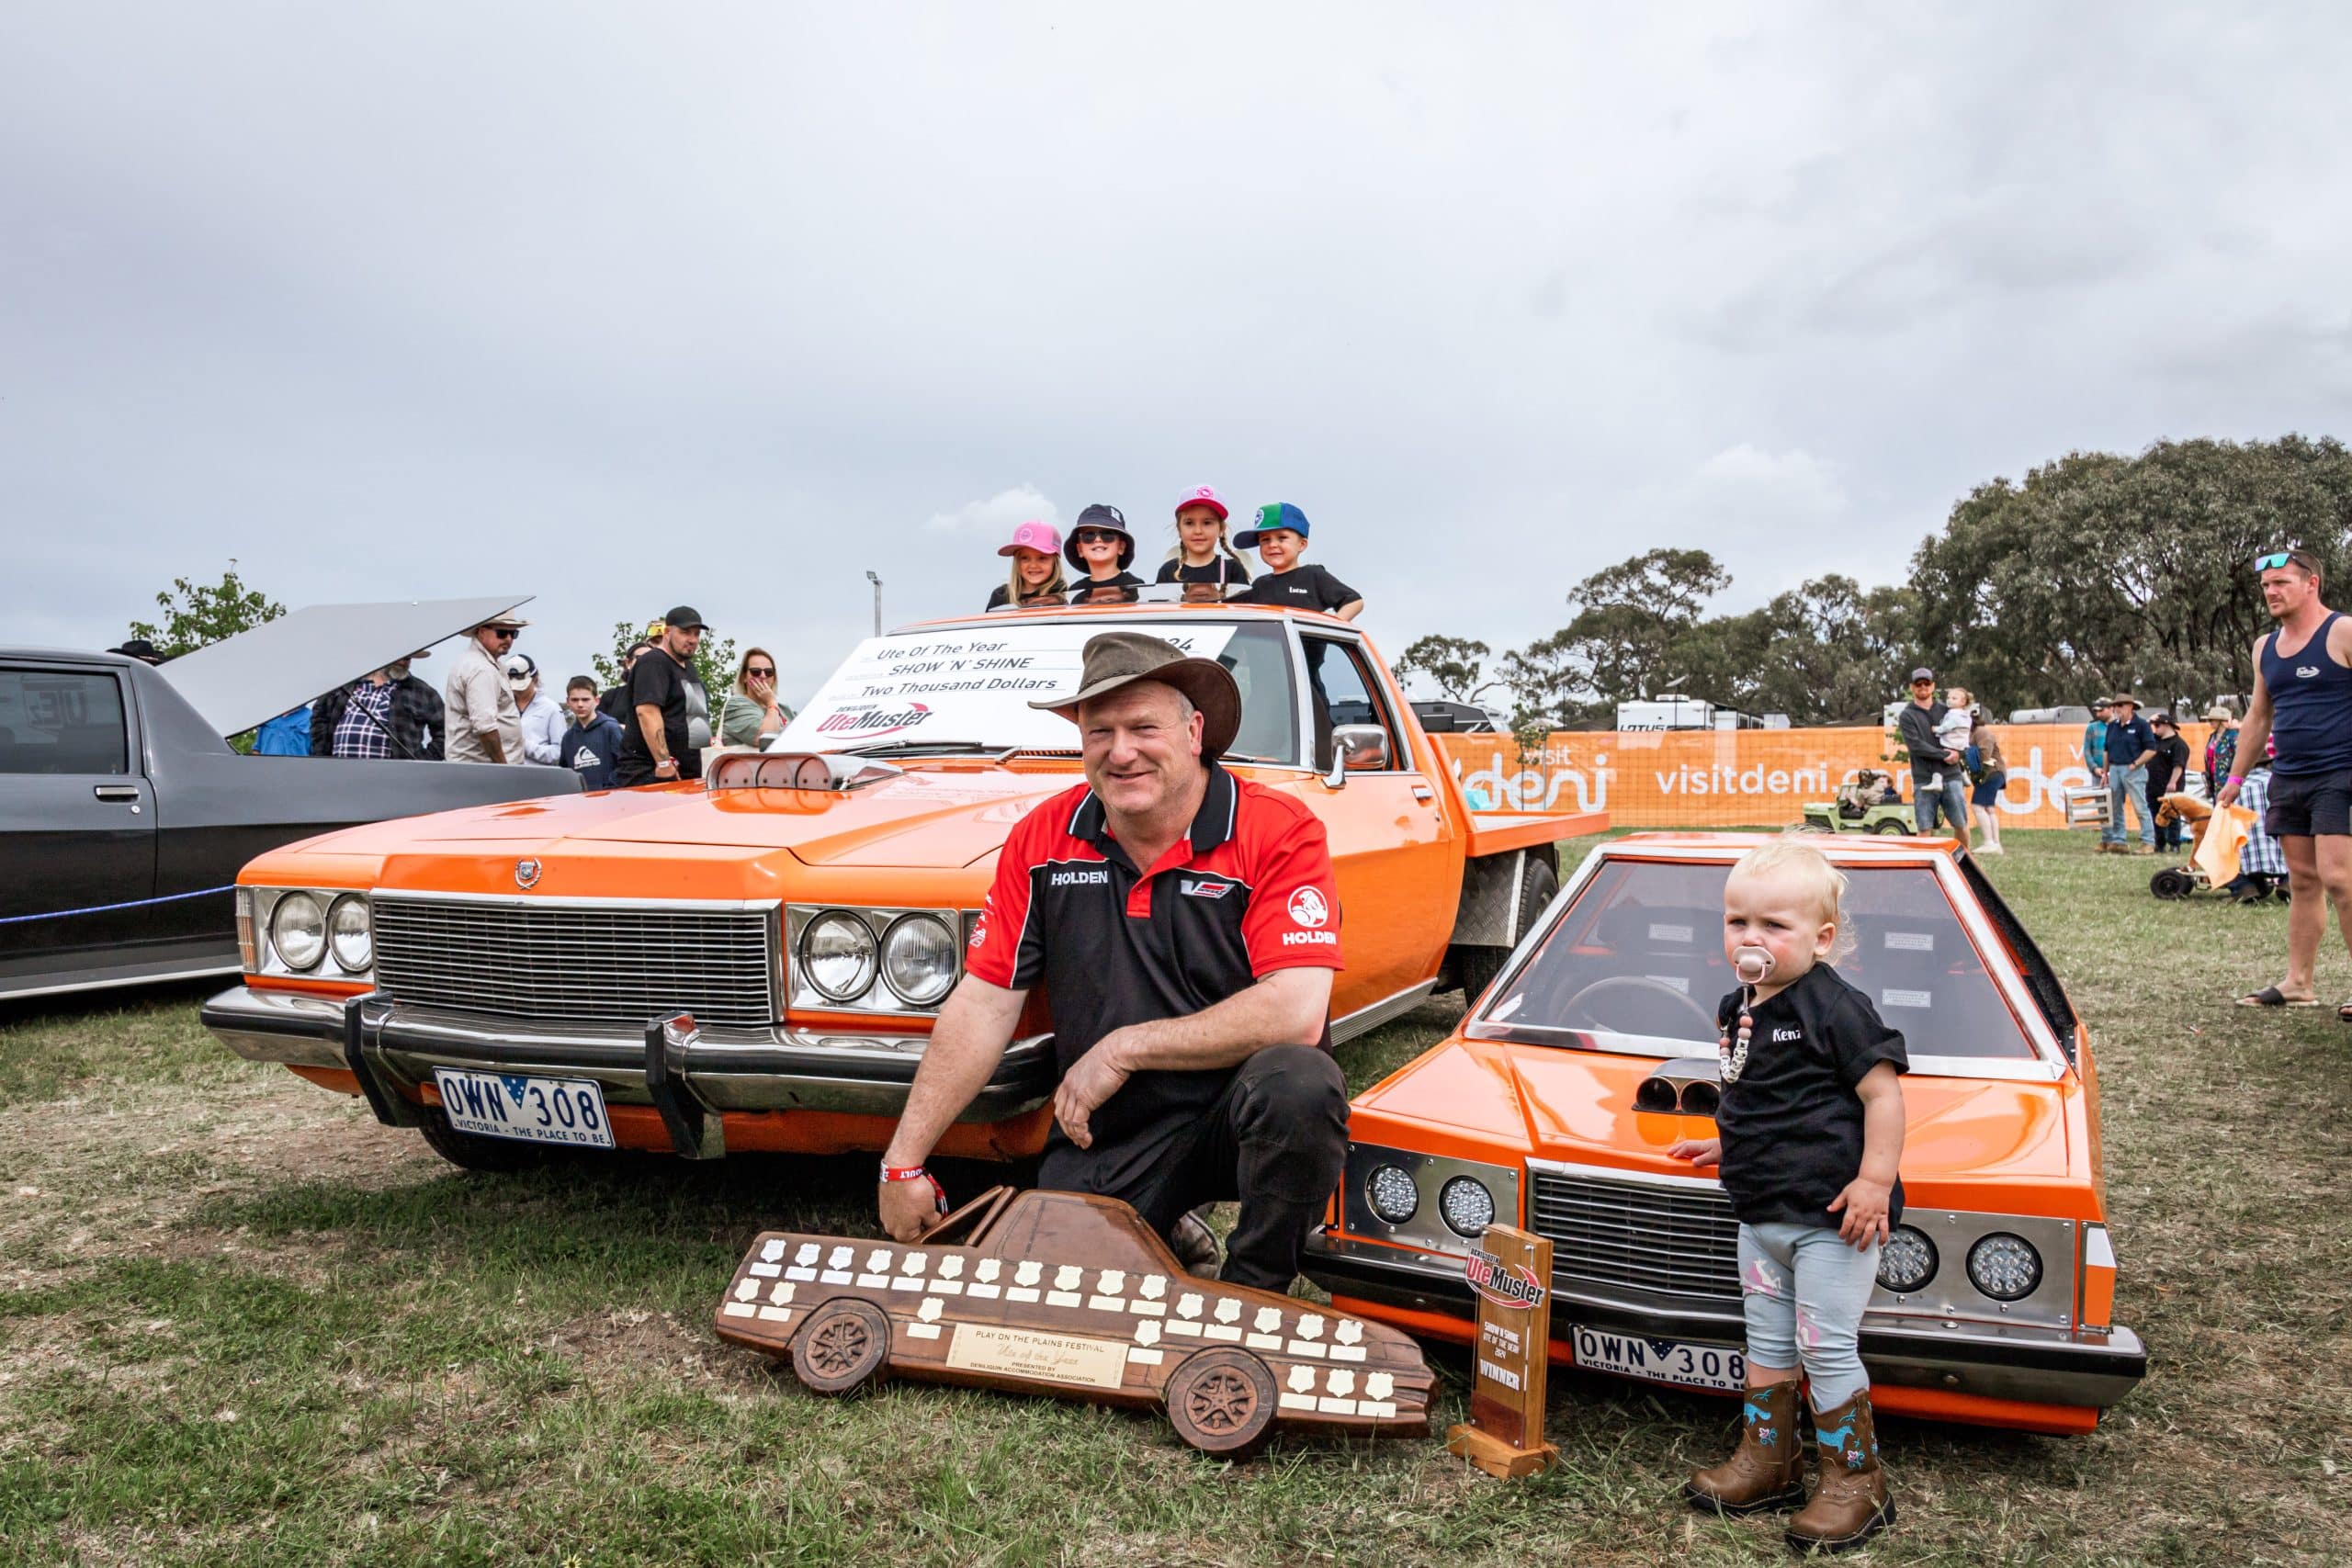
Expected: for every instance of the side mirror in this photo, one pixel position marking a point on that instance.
(1357, 748)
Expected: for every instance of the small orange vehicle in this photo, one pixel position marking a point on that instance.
(754, 962)
(1553, 1103)
(1072, 1295)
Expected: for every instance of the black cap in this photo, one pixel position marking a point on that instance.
(685, 617)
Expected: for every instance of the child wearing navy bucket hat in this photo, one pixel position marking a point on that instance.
(1203, 558)
(1280, 538)
(1101, 546)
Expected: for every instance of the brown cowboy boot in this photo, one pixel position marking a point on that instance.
(1766, 1471)
(1849, 1504)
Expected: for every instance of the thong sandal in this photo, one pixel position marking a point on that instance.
(2272, 997)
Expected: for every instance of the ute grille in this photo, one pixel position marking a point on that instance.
(570, 963)
(1672, 1241)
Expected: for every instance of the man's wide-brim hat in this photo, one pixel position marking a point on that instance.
(2121, 699)
(503, 623)
(1113, 659)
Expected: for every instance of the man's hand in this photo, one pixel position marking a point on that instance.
(1864, 1202)
(907, 1209)
(2227, 794)
(1095, 1078)
(1700, 1152)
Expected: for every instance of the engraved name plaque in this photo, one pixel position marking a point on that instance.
(1025, 1353)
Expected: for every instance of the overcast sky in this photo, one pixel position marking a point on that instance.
(623, 305)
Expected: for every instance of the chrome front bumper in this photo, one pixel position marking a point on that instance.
(1995, 1360)
(720, 1069)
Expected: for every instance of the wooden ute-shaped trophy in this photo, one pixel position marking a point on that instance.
(1069, 1295)
(1512, 1271)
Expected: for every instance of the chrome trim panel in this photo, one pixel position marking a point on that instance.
(765, 1068)
(532, 901)
(1364, 1020)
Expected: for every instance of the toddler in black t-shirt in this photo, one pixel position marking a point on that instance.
(1811, 1125)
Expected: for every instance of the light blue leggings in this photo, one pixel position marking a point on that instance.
(1802, 1291)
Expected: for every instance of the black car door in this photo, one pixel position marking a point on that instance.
(77, 820)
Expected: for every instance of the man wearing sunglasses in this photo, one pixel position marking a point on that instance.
(2303, 704)
(484, 725)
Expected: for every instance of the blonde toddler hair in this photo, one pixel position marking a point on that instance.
(1810, 868)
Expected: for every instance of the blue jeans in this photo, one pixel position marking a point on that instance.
(1802, 1291)
(2122, 785)
(1950, 797)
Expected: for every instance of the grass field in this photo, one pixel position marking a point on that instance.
(241, 1323)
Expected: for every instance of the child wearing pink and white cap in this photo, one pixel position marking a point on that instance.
(1036, 577)
(1200, 538)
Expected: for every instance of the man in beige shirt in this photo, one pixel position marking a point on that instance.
(484, 725)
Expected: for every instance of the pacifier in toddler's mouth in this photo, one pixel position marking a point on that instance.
(1751, 963)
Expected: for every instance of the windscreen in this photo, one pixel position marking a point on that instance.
(975, 683)
(1636, 965)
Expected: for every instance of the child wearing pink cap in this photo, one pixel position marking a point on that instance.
(1036, 577)
(1200, 538)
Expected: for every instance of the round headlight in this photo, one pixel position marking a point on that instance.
(1467, 1206)
(918, 959)
(348, 933)
(1393, 1194)
(298, 929)
(1907, 1261)
(2004, 1266)
(837, 954)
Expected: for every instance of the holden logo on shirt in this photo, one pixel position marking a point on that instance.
(526, 873)
(1307, 908)
(865, 723)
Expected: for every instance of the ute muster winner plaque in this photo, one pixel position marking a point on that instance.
(1512, 1271)
(1071, 1295)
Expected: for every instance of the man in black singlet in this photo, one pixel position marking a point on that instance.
(2302, 702)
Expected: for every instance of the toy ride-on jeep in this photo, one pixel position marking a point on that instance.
(1869, 801)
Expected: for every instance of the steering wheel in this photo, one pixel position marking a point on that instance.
(1577, 1012)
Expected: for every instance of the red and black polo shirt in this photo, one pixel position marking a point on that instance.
(1247, 892)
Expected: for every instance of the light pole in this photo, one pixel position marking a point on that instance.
(877, 602)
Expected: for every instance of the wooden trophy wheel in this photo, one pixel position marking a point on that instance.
(843, 1347)
(1222, 1402)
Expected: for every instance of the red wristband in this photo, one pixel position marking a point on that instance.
(917, 1173)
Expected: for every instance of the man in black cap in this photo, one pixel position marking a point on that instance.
(1936, 771)
(669, 718)
(138, 647)
(1184, 924)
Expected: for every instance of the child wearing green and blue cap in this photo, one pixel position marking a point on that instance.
(1280, 538)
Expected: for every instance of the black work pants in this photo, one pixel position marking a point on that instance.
(1276, 1139)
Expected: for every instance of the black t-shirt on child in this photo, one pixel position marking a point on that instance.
(1792, 1126)
(1224, 571)
(999, 597)
(1083, 589)
(1302, 588)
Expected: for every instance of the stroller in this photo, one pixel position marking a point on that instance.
(2219, 866)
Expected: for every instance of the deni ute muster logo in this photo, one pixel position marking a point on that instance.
(1505, 1284)
(867, 722)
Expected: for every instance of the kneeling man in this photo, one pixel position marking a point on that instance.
(1185, 927)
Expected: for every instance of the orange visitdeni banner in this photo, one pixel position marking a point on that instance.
(1732, 778)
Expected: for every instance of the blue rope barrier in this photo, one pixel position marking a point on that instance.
(109, 908)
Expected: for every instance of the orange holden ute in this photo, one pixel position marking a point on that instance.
(754, 962)
(1553, 1104)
